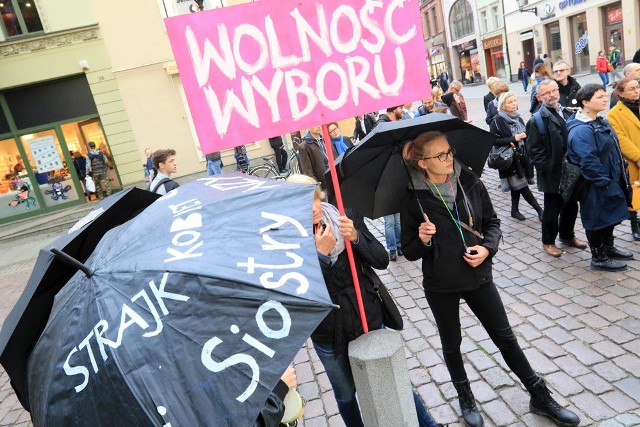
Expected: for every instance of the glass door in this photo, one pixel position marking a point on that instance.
(53, 178)
(91, 130)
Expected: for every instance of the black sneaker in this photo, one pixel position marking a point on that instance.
(400, 252)
(393, 255)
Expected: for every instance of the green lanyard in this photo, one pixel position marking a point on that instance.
(455, 204)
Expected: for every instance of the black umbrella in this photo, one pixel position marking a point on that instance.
(187, 314)
(27, 319)
(373, 177)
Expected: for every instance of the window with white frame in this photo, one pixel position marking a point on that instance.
(20, 18)
(497, 21)
(484, 27)
(461, 19)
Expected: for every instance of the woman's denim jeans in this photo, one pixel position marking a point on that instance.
(344, 389)
(392, 231)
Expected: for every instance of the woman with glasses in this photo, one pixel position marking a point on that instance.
(593, 146)
(510, 129)
(625, 120)
(448, 222)
(339, 143)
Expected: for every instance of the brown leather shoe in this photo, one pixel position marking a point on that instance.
(552, 250)
(576, 243)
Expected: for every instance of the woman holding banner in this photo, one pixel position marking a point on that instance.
(449, 223)
(331, 338)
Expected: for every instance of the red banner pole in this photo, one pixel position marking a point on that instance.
(347, 242)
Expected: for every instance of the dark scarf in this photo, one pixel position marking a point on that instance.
(632, 105)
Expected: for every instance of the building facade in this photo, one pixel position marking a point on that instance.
(573, 30)
(435, 38)
(493, 39)
(463, 37)
(57, 93)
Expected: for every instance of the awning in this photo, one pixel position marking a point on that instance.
(526, 35)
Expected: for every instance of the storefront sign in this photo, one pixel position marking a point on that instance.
(548, 11)
(565, 3)
(265, 68)
(492, 42)
(45, 154)
(582, 43)
(614, 16)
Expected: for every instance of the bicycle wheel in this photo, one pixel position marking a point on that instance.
(264, 171)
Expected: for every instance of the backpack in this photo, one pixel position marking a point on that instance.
(98, 164)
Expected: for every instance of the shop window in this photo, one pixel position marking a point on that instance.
(16, 189)
(20, 17)
(461, 19)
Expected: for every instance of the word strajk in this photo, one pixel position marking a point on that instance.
(372, 27)
(296, 279)
(128, 318)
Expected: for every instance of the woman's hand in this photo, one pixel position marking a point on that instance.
(426, 230)
(289, 377)
(475, 260)
(347, 228)
(520, 136)
(325, 240)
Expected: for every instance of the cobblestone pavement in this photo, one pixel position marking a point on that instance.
(578, 328)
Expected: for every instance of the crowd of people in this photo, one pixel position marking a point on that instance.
(448, 210)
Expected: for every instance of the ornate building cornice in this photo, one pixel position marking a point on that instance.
(48, 41)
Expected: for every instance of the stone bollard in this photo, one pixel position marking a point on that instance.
(382, 379)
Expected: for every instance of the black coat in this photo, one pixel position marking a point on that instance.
(521, 162)
(568, 92)
(487, 99)
(343, 325)
(369, 123)
(547, 150)
(443, 266)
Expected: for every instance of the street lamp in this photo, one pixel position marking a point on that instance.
(522, 8)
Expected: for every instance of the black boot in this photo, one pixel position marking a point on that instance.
(470, 413)
(515, 203)
(543, 404)
(613, 252)
(635, 225)
(531, 199)
(600, 260)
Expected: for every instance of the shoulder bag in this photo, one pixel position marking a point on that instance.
(391, 317)
(570, 175)
(500, 157)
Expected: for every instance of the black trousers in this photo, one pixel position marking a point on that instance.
(281, 157)
(558, 218)
(597, 238)
(486, 304)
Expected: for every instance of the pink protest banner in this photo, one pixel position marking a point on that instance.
(262, 69)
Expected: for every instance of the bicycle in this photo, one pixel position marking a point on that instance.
(270, 170)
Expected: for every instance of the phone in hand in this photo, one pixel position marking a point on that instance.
(471, 251)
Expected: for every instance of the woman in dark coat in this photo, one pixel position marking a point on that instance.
(456, 237)
(594, 147)
(331, 338)
(510, 129)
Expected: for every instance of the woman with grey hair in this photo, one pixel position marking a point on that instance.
(510, 129)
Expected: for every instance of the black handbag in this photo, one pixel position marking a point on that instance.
(570, 177)
(391, 317)
(500, 157)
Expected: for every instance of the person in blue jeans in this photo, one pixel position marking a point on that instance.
(214, 163)
(524, 74)
(342, 325)
(392, 235)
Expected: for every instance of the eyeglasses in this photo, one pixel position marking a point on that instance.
(334, 130)
(560, 71)
(632, 89)
(443, 156)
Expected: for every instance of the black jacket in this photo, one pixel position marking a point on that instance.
(521, 162)
(487, 99)
(369, 123)
(273, 409)
(343, 325)
(443, 266)
(568, 92)
(547, 150)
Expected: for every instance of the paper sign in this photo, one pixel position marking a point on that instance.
(263, 69)
(45, 154)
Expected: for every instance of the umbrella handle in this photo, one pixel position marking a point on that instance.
(72, 262)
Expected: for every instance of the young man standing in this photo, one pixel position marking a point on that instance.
(99, 167)
(312, 156)
(164, 161)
